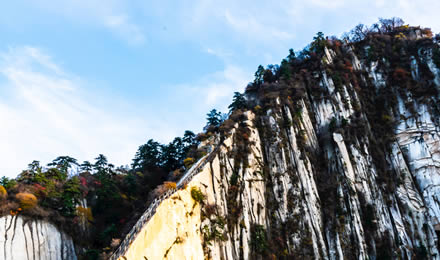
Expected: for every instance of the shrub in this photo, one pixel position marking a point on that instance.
(170, 185)
(400, 74)
(209, 210)
(258, 239)
(3, 192)
(197, 195)
(436, 57)
(7, 183)
(39, 190)
(84, 213)
(214, 231)
(234, 179)
(188, 162)
(333, 125)
(159, 191)
(6, 207)
(26, 200)
(177, 173)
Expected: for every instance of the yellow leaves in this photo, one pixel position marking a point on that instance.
(188, 162)
(125, 197)
(3, 192)
(170, 185)
(400, 36)
(84, 213)
(26, 200)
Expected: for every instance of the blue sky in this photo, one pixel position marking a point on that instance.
(81, 78)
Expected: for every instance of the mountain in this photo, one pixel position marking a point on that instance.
(337, 158)
(333, 154)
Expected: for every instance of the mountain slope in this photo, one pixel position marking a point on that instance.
(337, 157)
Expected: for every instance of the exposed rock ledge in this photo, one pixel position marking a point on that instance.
(25, 239)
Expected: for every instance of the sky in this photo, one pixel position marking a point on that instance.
(84, 77)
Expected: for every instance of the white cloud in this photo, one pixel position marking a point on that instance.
(123, 27)
(114, 15)
(44, 114)
(221, 85)
(327, 4)
(268, 26)
(252, 26)
(215, 90)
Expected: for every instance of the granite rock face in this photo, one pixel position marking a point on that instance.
(25, 239)
(348, 170)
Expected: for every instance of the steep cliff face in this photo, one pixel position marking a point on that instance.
(25, 239)
(320, 168)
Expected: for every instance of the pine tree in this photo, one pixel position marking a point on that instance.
(238, 102)
(259, 75)
(214, 118)
(63, 163)
(147, 156)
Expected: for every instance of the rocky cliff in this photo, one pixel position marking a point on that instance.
(337, 158)
(26, 239)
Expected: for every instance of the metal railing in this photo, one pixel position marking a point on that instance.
(146, 216)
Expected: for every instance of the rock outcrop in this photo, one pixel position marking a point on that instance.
(320, 168)
(27, 239)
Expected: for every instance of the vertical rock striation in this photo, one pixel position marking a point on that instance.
(341, 161)
(25, 239)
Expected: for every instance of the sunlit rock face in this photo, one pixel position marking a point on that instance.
(348, 170)
(25, 239)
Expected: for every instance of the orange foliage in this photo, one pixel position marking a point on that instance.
(169, 185)
(348, 66)
(85, 213)
(3, 192)
(26, 200)
(427, 32)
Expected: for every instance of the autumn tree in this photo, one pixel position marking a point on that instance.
(389, 25)
(358, 33)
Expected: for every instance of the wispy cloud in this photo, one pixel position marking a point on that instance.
(252, 26)
(121, 25)
(45, 112)
(215, 90)
(114, 15)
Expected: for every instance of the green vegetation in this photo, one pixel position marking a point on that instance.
(117, 195)
(436, 56)
(214, 231)
(238, 102)
(214, 118)
(197, 195)
(114, 195)
(259, 242)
